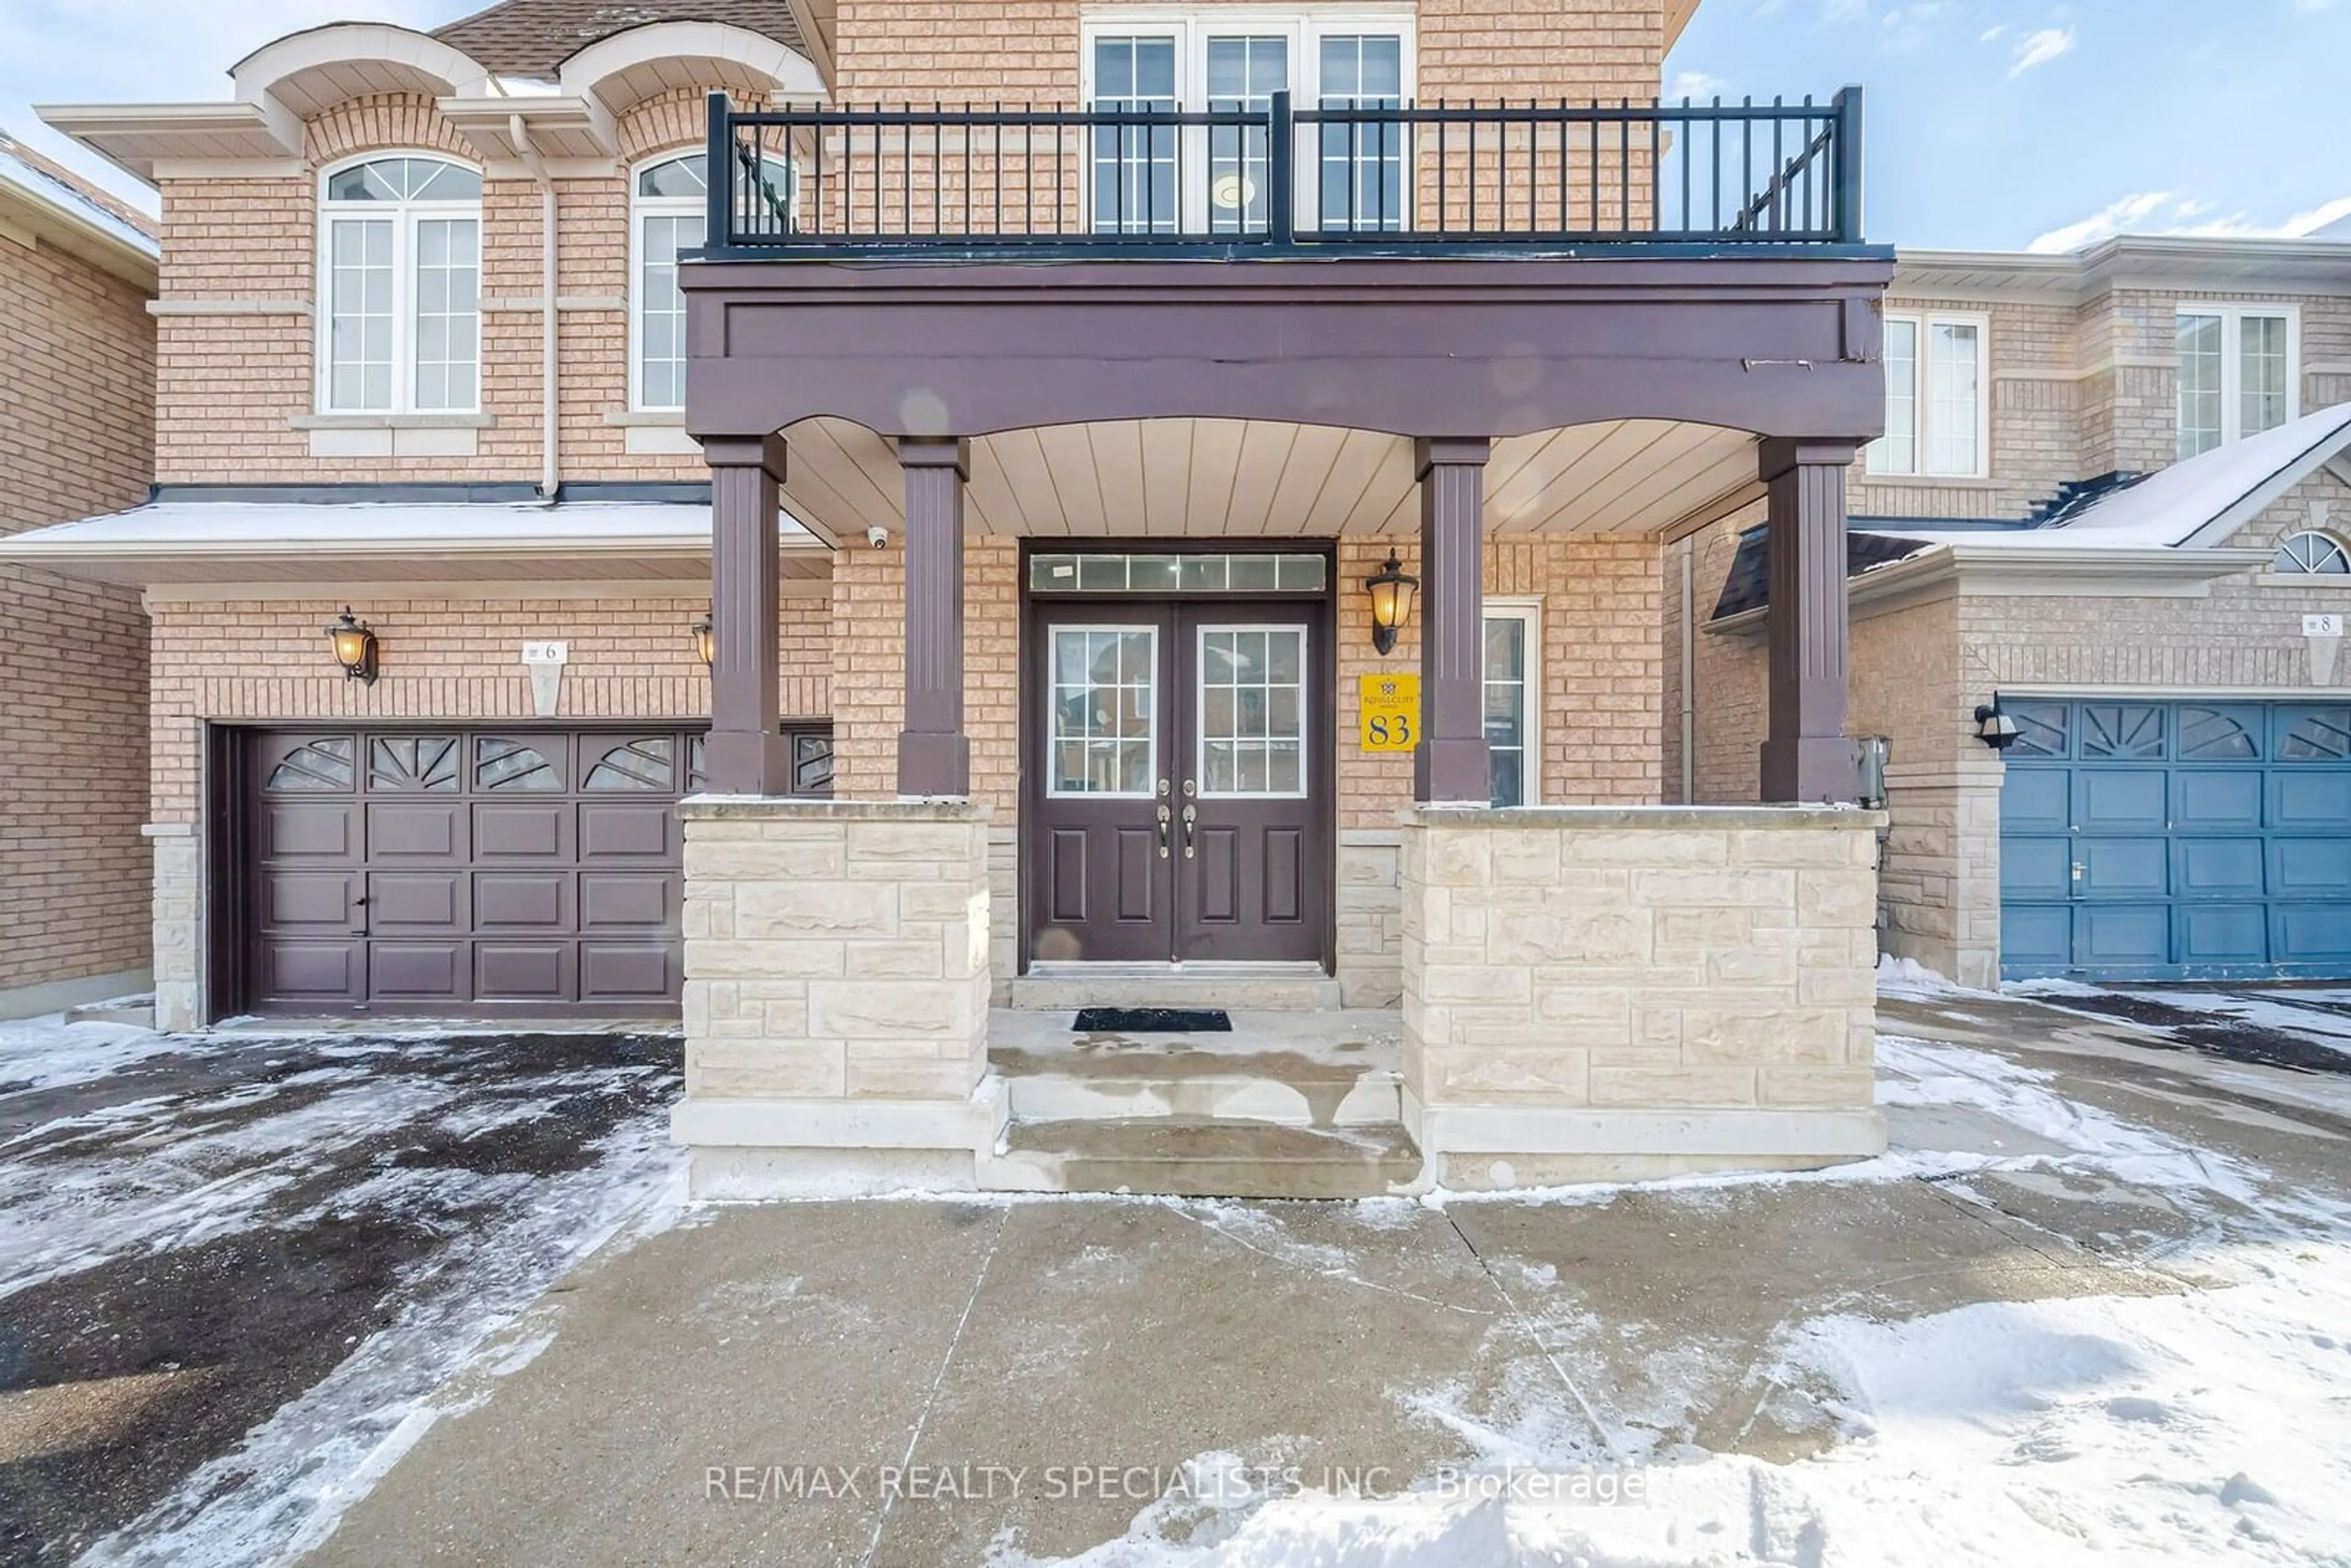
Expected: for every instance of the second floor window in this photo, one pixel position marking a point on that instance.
(1147, 180)
(2236, 373)
(401, 265)
(671, 214)
(1935, 409)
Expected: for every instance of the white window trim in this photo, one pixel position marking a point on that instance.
(639, 209)
(1199, 736)
(405, 215)
(1926, 322)
(1305, 29)
(1052, 661)
(1528, 611)
(2232, 317)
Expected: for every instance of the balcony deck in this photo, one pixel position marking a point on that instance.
(1005, 181)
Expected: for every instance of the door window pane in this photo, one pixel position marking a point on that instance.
(1244, 73)
(1252, 711)
(2199, 384)
(1506, 708)
(1134, 175)
(1363, 165)
(1104, 721)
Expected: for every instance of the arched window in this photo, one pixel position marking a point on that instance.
(672, 196)
(2312, 553)
(401, 271)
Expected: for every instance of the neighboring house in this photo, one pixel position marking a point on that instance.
(2115, 499)
(77, 435)
(1041, 469)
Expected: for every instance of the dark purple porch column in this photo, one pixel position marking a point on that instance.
(933, 753)
(1451, 762)
(1806, 756)
(746, 754)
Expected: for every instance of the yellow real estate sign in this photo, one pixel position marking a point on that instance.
(1391, 712)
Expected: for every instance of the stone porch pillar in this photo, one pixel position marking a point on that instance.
(1451, 763)
(933, 752)
(1805, 754)
(746, 754)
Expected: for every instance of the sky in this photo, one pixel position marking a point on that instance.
(1995, 124)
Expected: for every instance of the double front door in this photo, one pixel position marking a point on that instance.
(1182, 751)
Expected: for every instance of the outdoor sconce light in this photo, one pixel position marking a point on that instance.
(705, 641)
(1391, 589)
(354, 647)
(1994, 727)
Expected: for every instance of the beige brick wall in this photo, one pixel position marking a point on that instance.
(1023, 50)
(232, 384)
(77, 412)
(442, 657)
(1708, 961)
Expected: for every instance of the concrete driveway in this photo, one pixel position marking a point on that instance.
(2080, 1309)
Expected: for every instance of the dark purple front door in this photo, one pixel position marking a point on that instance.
(440, 871)
(1183, 807)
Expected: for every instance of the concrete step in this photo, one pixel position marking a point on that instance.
(1203, 1085)
(1189, 1156)
(1252, 987)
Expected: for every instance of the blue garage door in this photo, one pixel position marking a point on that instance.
(2177, 841)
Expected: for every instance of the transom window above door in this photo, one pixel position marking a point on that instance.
(1164, 179)
(399, 271)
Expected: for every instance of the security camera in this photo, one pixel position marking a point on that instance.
(878, 537)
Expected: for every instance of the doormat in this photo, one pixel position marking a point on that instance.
(1152, 1021)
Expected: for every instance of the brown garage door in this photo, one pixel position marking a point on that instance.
(447, 871)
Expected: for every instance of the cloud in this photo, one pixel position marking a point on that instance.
(2167, 212)
(1993, 34)
(1697, 84)
(2039, 48)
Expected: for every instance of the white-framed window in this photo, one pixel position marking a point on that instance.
(1514, 680)
(1252, 712)
(2239, 372)
(1235, 58)
(1103, 693)
(400, 272)
(1938, 417)
(669, 211)
(2313, 554)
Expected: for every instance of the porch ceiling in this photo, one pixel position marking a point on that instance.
(1257, 479)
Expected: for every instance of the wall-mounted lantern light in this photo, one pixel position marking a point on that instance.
(1392, 589)
(1994, 727)
(705, 641)
(354, 647)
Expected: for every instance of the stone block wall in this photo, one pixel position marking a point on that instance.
(1595, 993)
(836, 976)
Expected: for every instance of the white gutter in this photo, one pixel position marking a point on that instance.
(551, 467)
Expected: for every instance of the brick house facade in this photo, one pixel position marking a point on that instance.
(77, 418)
(577, 590)
(2082, 367)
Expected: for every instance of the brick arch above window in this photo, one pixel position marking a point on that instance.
(383, 122)
(674, 122)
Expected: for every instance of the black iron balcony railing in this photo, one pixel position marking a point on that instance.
(1378, 178)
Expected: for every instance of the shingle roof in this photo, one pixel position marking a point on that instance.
(72, 190)
(532, 37)
(1748, 585)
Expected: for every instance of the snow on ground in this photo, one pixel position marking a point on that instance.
(50, 1053)
(2193, 1425)
(2287, 1012)
(479, 1170)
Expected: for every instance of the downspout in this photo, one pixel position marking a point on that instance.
(1689, 697)
(550, 469)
